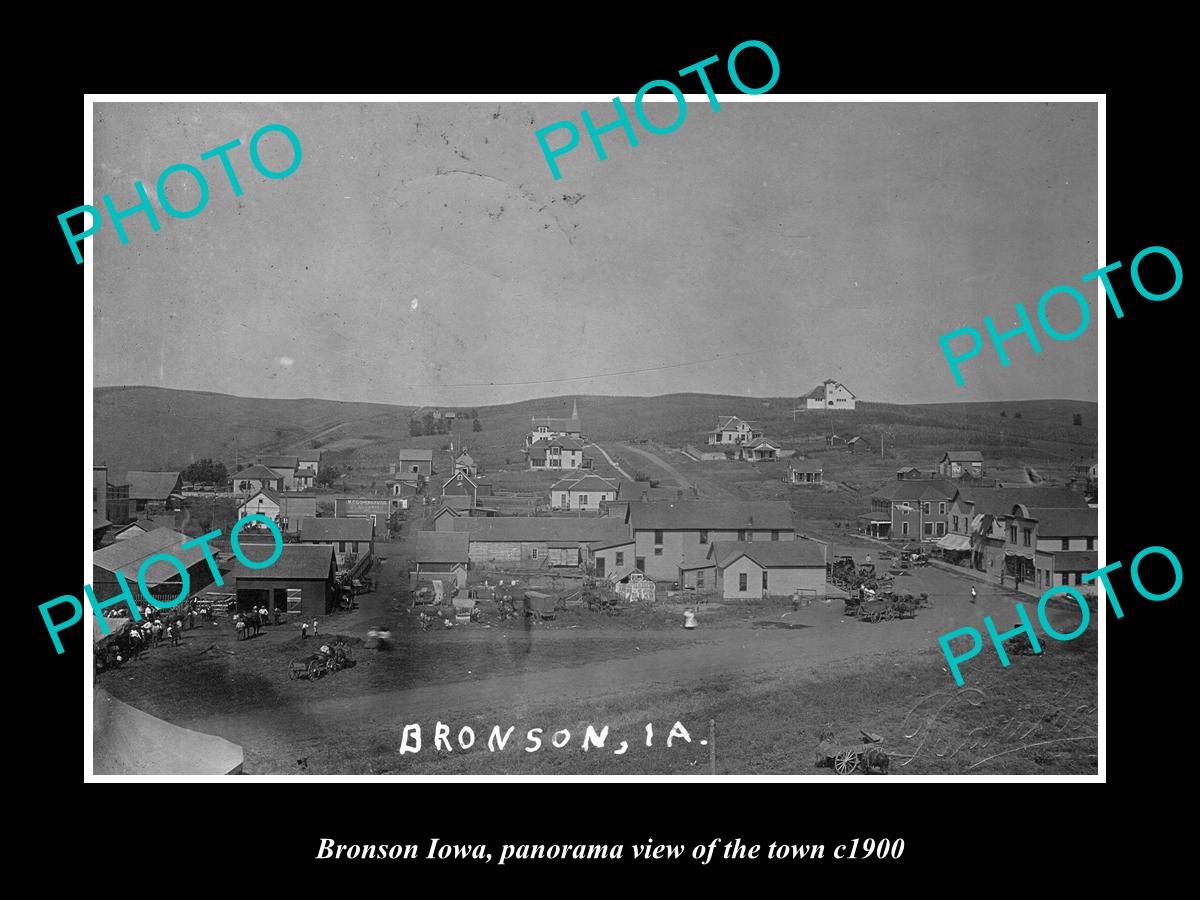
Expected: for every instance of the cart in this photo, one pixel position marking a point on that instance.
(868, 756)
(539, 604)
(311, 668)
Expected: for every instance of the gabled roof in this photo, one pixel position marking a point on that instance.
(297, 562)
(961, 456)
(818, 393)
(917, 490)
(603, 532)
(761, 442)
(806, 465)
(127, 555)
(309, 456)
(256, 472)
(415, 454)
(584, 483)
(730, 423)
(799, 553)
(445, 510)
(774, 515)
(305, 473)
(407, 477)
(98, 521)
(328, 528)
(442, 546)
(1065, 522)
(151, 485)
(280, 462)
(464, 458)
(274, 496)
(458, 478)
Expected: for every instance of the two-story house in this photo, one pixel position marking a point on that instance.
(557, 453)
(668, 534)
(352, 539)
(732, 430)
(414, 461)
(990, 511)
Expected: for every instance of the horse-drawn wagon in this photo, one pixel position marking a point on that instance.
(868, 756)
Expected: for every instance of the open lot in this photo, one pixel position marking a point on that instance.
(769, 677)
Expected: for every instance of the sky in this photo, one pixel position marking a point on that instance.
(424, 254)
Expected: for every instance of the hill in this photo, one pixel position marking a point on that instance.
(145, 427)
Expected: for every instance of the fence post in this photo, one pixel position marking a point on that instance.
(712, 746)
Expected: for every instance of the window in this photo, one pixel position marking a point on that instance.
(1012, 534)
(533, 553)
(416, 468)
(1066, 543)
(565, 501)
(1026, 536)
(700, 579)
(555, 463)
(742, 582)
(929, 529)
(658, 537)
(341, 546)
(904, 529)
(1091, 543)
(556, 451)
(956, 523)
(704, 535)
(764, 579)
(658, 551)
(583, 499)
(774, 537)
(925, 507)
(639, 563)
(941, 509)
(741, 535)
(354, 547)
(620, 558)
(941, 528)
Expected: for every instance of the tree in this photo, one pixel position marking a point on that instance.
(1003, 414)
(1016, 415)
(328, 475)
(206, 471)
(477, 426)
(1077, 420)
(430, 423)
(474, 414)
(415, 428)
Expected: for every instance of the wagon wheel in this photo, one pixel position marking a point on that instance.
(846, 762)
(291, 674)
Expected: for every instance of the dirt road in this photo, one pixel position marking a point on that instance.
(794, 642)
(679, 477)
(612, 462)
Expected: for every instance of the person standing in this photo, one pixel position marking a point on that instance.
(974, 594)
(303, 631)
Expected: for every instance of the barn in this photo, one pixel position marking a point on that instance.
(163, 580)
(300, 582)
(442, 555)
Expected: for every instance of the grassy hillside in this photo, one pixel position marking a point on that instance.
(154, 428)
(144, 427)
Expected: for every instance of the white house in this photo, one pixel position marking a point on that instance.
(805, 471)
(586, 493)
(732, 430)
(829, 395)
(557, 453)
(759, 450)
(543, 428)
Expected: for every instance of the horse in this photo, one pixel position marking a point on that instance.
(253, 621)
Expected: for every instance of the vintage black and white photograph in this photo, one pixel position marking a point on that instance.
(748, 448)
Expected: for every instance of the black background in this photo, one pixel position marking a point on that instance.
(976, 837)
